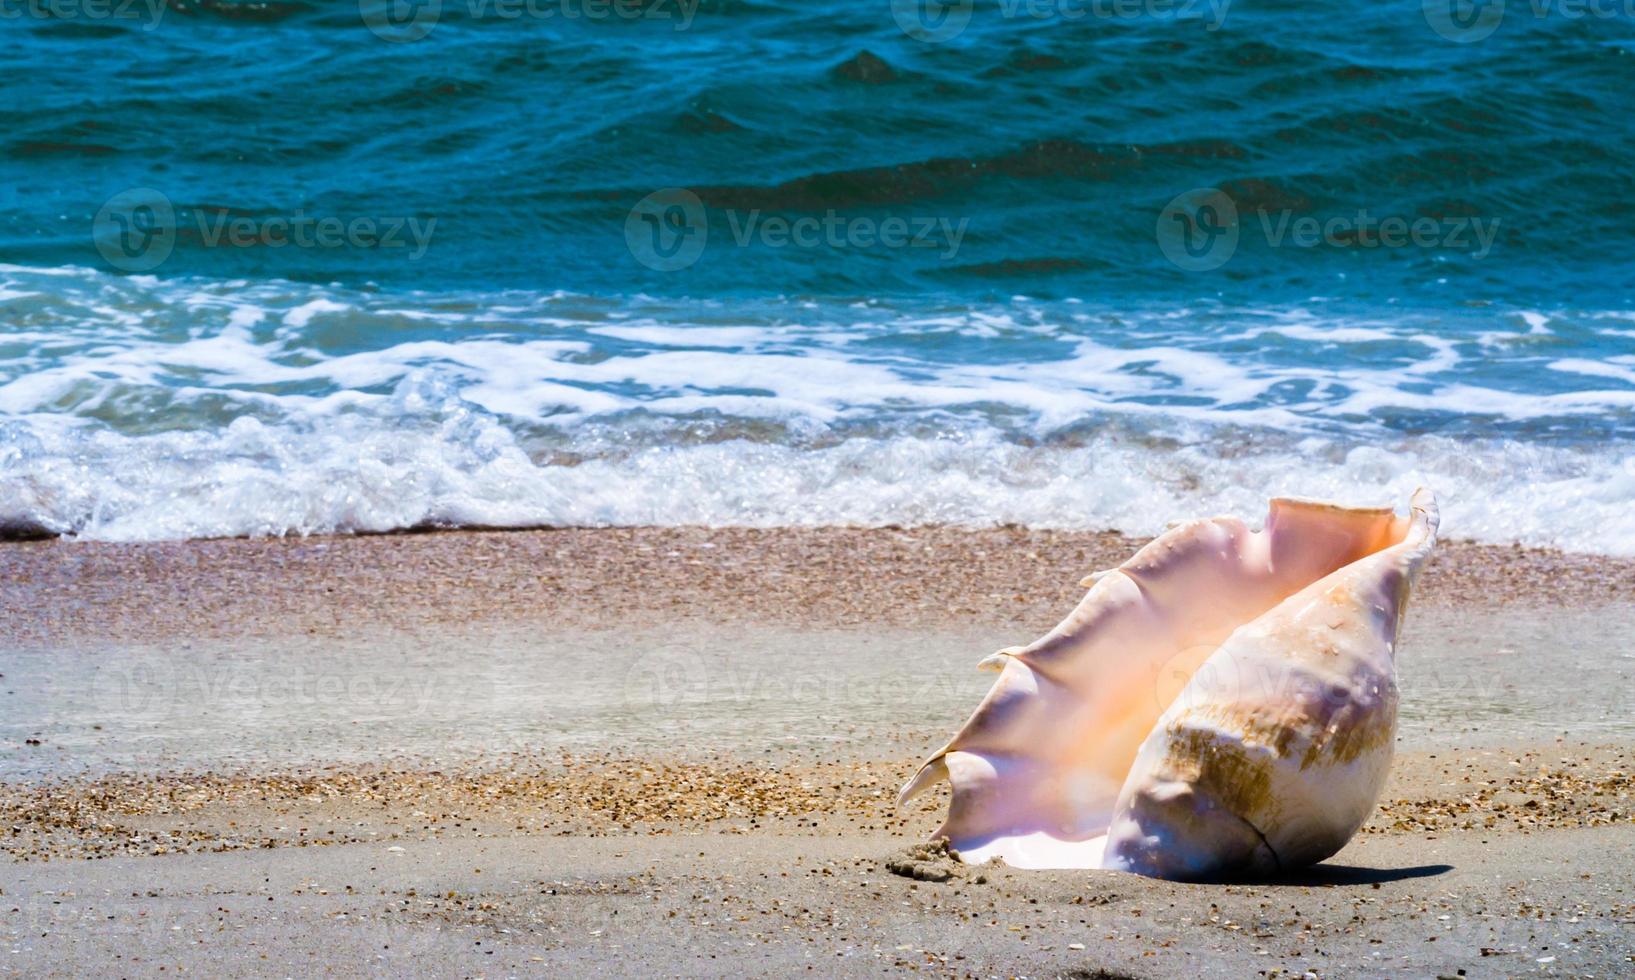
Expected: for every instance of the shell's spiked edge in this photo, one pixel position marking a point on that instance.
(1045, 766)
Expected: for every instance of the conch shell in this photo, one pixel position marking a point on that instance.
(1221, 705)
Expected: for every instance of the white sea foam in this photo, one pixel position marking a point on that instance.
(1619, 367)
(137, 408)
(353, 474)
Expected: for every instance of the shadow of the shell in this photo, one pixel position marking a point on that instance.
(1345, 874)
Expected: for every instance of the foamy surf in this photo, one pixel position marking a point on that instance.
(143, 409)
(359, 474)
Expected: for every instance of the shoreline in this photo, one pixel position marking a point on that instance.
(825, 577)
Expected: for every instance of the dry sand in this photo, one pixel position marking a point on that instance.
(1501, 848)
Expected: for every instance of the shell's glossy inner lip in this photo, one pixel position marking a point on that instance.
(1040, 850)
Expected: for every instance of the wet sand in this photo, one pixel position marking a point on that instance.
(675, 752)
(64, 594)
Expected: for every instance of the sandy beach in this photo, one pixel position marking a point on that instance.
(676, 752)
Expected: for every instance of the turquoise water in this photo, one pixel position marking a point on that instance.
(281, 267)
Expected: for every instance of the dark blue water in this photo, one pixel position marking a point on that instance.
(1058, 139)
(742, 255)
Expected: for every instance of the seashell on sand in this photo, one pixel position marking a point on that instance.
(1223, 704)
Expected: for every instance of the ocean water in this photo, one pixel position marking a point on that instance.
(284, 268)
